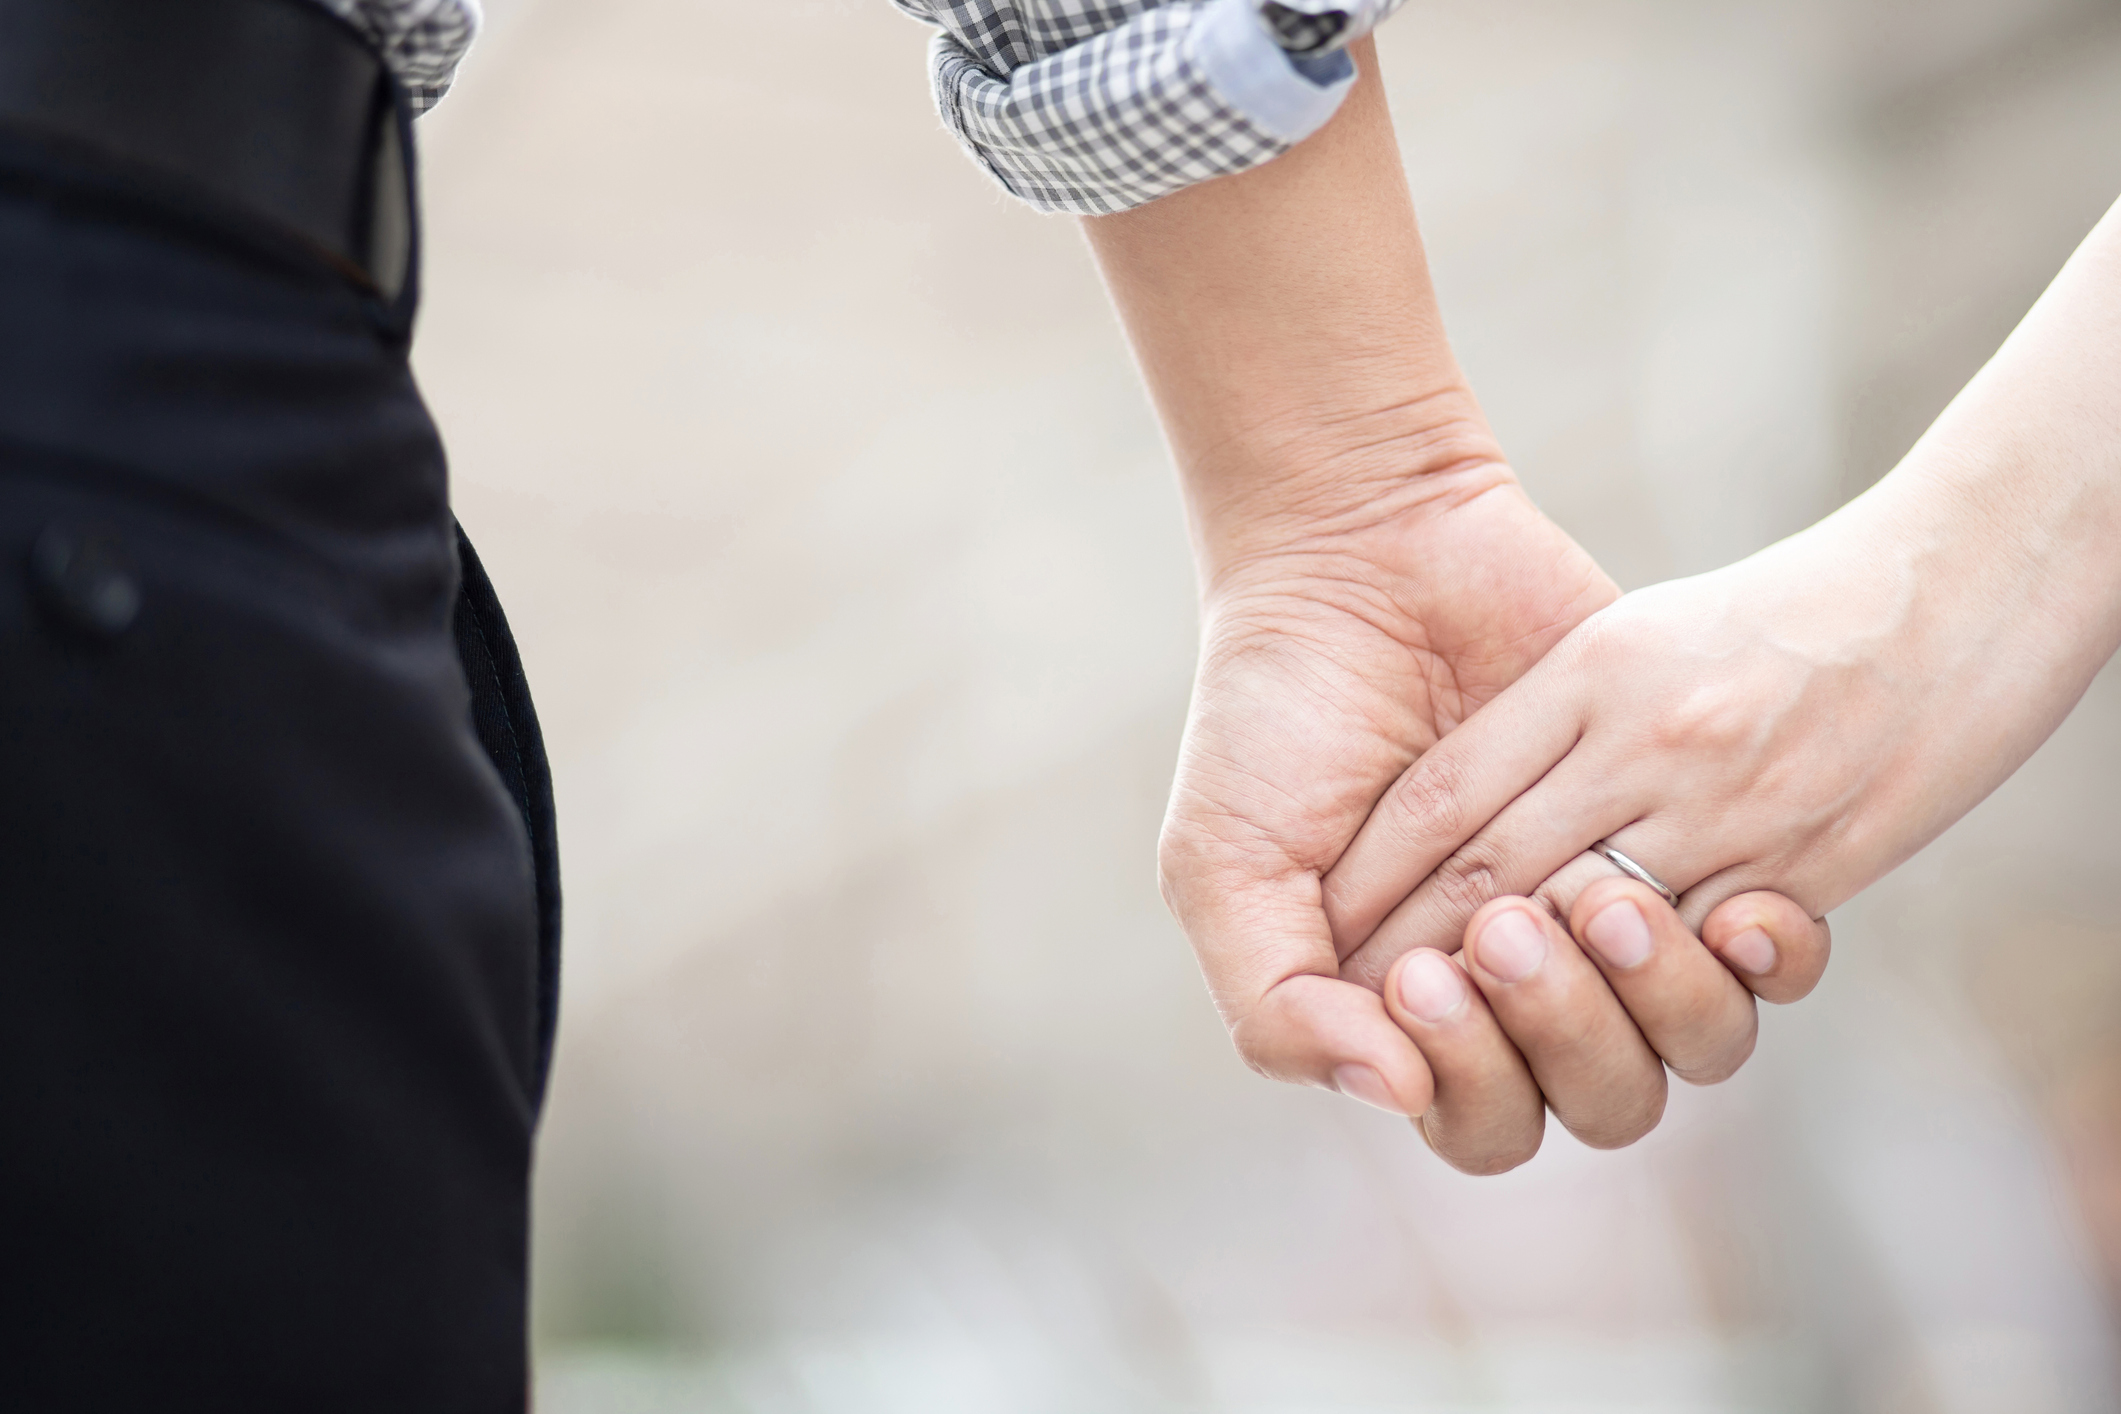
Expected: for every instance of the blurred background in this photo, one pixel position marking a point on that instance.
(846, 561)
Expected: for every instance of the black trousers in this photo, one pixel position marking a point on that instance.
(275, 978)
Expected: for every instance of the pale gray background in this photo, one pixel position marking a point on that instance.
(848, 567)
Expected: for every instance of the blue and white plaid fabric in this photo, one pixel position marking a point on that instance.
(422, 41)
(1096, 106)
(1086, 106)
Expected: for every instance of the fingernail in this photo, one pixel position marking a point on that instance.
(1512, 946)
(1430, 987)
(1751, 951)
(1360, 1082)
(1619, 935)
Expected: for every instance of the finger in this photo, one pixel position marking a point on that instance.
(1674, 851)
(1774, 946)
(1600, 1076)
(1256, 926)
(1566, 884)
(1527, 841)
(1443, 799)
(1488, 1115)
(1685, 1002)
(1334, 1035)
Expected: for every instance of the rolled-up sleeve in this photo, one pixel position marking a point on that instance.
(1086, 107)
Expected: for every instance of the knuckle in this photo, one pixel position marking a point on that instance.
(1466, 880)
(1179, 853)
(1574, 1039)
(1479, 1161)
(1432, 799)
(1711, 1036)
(1710, 716)
(1810, 953)
(1175, 862)
(1707, 1035)
(1197, 865)
(1251, 1049)
(1559, 894)
(1721, 1064)
(1709, 1016)
(1600, 637)
(1620, 636)
(1626, 1126)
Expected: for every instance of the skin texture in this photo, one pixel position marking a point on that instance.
(1808, 718)
(1371, 574)
(1603, 1077)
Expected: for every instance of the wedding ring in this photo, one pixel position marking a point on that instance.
(1629, 867)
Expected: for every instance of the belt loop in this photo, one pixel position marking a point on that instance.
(392, 238)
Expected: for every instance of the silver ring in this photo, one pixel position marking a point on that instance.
(1629, 867)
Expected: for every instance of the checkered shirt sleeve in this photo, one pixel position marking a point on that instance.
(1096, 106)
(421, 41)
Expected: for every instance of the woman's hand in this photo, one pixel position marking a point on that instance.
(1808, 718)
(1804, 720)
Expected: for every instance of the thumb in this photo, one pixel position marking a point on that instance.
(1263, 944)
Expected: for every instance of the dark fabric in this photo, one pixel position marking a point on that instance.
(507, 723)
(268, 912)
(272, 103)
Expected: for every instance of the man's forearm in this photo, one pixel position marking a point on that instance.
(1285, 323)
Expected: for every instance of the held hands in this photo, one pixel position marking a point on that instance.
(1371, 576)
(1329, 664)
(1803, 720)
(1781, 722)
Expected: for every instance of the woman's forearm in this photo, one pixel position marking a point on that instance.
(1285, 323)
(2014, 495)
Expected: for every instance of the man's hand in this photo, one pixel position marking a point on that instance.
(1325, 670)
(1371, 573)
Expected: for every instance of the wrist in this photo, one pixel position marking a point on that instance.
(2000, 539)
(2019, 481)
(1318, 488)
(1462, 566)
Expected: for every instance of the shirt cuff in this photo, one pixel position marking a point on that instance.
(1286, 97)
